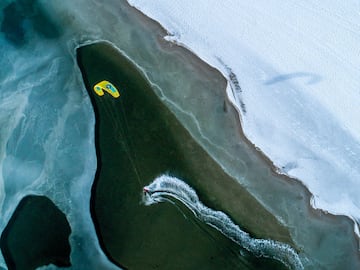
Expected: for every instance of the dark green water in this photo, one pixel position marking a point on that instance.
(36, 235)
(137, 139)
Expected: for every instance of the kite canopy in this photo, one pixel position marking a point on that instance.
(106, 86)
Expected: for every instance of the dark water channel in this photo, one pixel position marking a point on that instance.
(137, 139)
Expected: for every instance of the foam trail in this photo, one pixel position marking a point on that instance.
(167, 186)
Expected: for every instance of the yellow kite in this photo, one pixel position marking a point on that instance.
(106, 86)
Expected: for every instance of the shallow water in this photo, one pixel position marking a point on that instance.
(47, 120)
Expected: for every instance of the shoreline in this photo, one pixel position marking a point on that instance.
(316, 212)
(327, 167)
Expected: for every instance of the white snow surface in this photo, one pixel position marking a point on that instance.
(298, 66)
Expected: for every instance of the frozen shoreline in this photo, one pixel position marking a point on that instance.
(284, 76)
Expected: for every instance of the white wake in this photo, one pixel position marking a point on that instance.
(167, 186)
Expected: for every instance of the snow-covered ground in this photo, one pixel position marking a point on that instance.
(298, 66)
